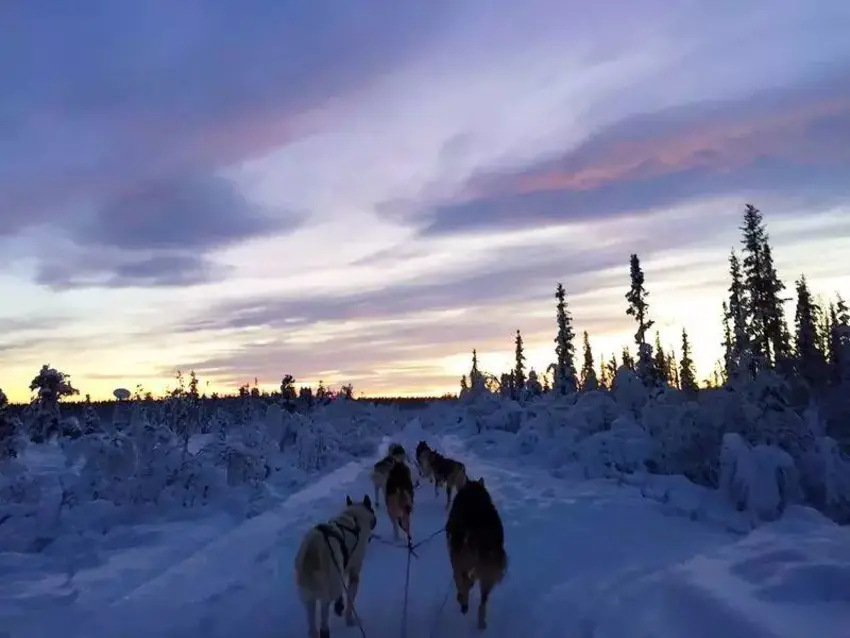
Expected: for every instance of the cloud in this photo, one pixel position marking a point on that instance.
(776, 143)
(173, 270)
(189, 213)
(137, 94)
(158, 235)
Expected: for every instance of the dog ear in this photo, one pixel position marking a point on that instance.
(481, 480)
(367, 501)
(347, 500)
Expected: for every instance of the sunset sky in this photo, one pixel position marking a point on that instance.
(363, 192)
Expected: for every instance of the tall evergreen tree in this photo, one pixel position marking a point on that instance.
(740, 364)
(476, 379)
(589, 382)
(777, 326)
(767, 329)
(564, 369)
(839, 345)
(810, 364)
(687, 375)
(639, 309)
(729, 364)
(660, 359)
(519, 366)
(628, 360)
(673, 370)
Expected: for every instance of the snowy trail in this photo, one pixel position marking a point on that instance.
(582, 557)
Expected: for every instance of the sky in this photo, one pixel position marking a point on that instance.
(364, 192)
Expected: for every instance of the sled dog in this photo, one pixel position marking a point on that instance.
(443, 470)
(381, 469)
(399, 498)
(476, 541)
(328, 554)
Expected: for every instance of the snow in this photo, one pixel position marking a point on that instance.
(598, 545)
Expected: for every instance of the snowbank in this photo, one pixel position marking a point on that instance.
(787, 579)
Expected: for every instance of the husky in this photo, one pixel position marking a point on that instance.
(381, 469)
(397, 451)
(476, 541)
(423, 458)
(443, 470)
(399, 499)
(329, 552)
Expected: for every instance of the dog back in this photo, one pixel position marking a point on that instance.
(328, 551)
(474, 530)
(399, 480)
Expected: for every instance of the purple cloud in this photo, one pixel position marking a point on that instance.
(781, 142)
(98, 101)
(156, 271)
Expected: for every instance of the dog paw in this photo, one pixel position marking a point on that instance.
(482, 624)
(339, 606)
(325, 633)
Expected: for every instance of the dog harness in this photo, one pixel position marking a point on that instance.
(337, 532)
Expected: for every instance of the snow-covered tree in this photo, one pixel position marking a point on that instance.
(740, 360)
(810, 363)
(8, 430)
(660, 360)
(519, 366)
(628, 359)
(532, 384)
(839, 342)
(563, 370)
(687, 376)
(589, 382)
(50, 387)
(477, 381)
(287, 392)
(767, 331)
(464, 386)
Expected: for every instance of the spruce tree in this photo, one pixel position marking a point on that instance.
(519, 367)
(777, 326)
(589, 381)
(564, 370)
(809, 364)
(639, 309)
(687, 375)
(767, 328)
(660, 359)
(740, 364)
(840, 343)
(729, 363)
(628, 360)
(673, 370)
(476, 379)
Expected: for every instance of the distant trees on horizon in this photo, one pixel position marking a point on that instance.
(756, 333)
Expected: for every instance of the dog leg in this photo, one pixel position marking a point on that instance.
(310, 608)
(353, 585)
(377, 502)
(485, 587)
(395, 527)
(324, 612)
(463, 585)
(448, 495)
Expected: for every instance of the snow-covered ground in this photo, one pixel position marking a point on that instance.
(599, 558)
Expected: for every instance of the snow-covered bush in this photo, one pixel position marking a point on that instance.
(825, 478)
(625, 448)
(761, 480)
